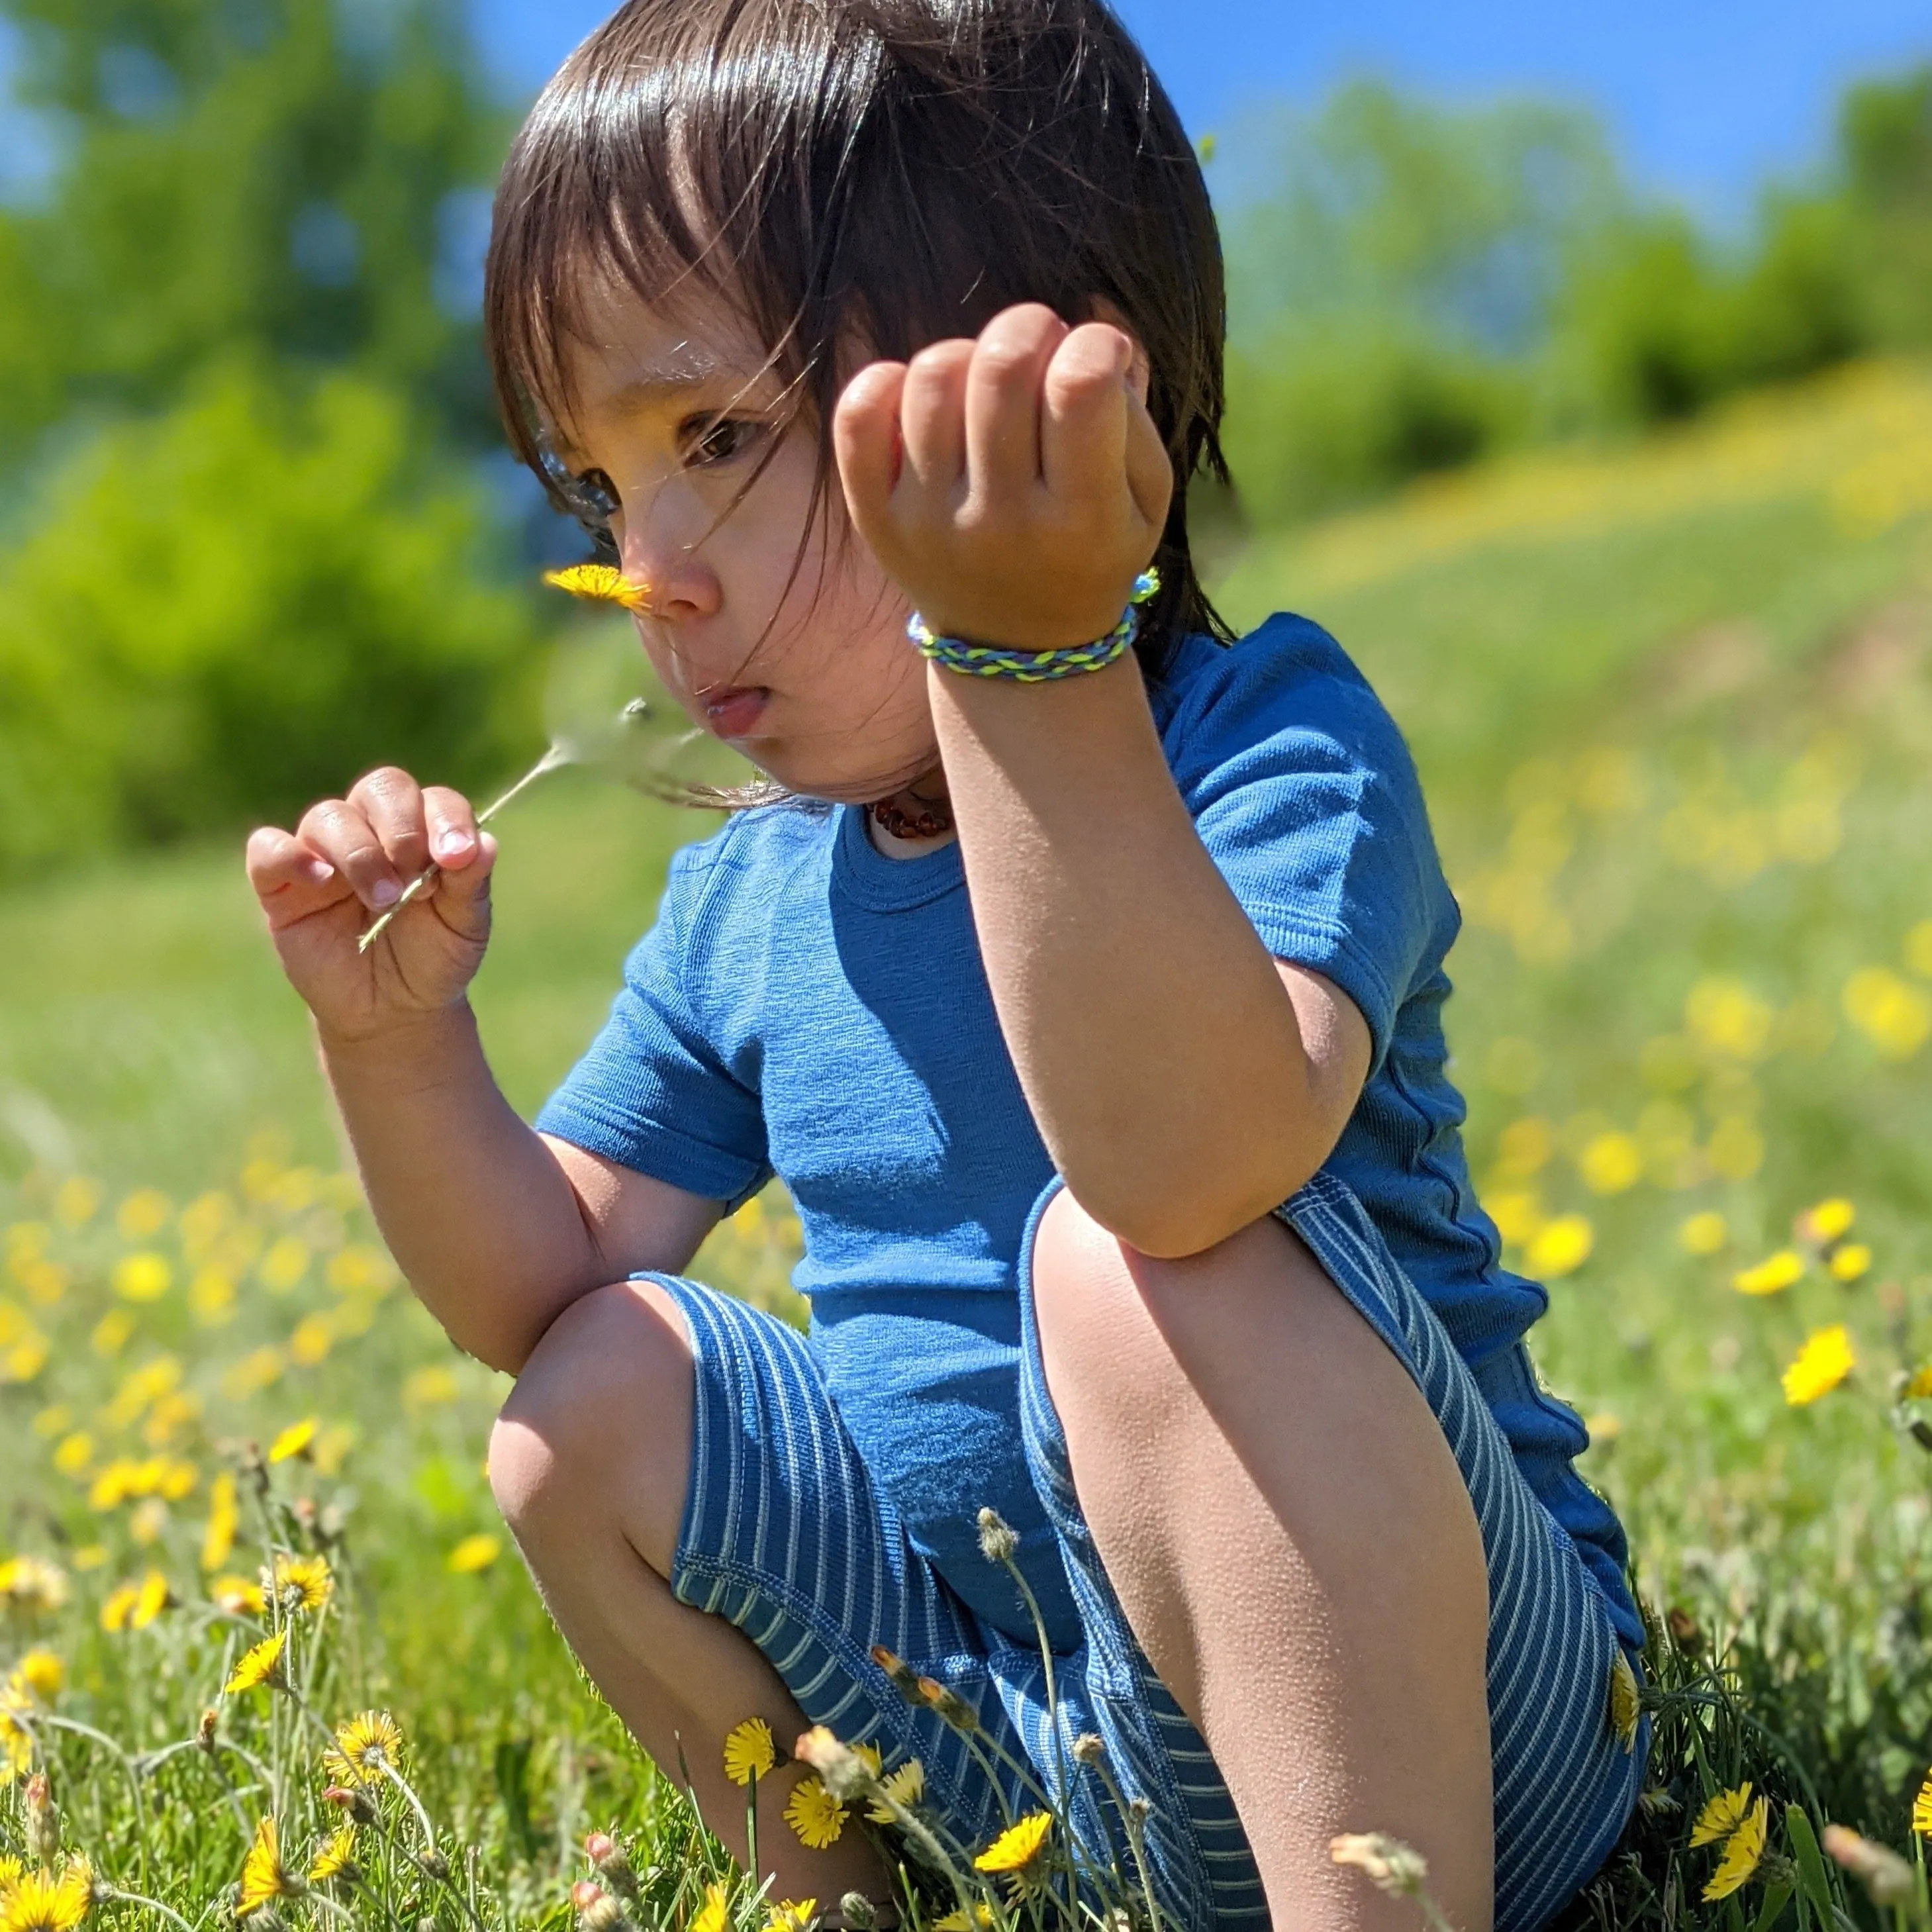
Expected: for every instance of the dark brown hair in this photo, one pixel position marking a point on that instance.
(894, 170)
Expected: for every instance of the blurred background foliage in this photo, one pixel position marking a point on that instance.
(256, 530)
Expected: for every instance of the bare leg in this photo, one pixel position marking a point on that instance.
(588, 1462)
(1293, 1544)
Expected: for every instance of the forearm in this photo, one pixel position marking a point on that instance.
(1159, 1052)
(477, 1210)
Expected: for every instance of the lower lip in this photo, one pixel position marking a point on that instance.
(732, 714)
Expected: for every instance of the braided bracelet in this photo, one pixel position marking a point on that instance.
(1036, 666)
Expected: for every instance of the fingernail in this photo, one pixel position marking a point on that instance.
(320, 871)
(451, 841)
(384, 892)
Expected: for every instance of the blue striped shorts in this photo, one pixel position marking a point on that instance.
(784, 1535)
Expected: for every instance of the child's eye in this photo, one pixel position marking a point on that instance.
(714, 440)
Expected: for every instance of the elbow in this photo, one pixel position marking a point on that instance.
(1170, 1216)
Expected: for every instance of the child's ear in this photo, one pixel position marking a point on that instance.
(1099, 309)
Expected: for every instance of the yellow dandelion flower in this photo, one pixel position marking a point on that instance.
(118, 1606)
(749, 1751)
(1825, 1359)
(1849, 1262)
(1722, 1815)
(33, 1584)
(334, 1856)
(151, 1598)
(261, 1665)
(1921, 1809)
(264, 1877)
(43, 1673)
(293, 1440)
(16, 1748)
(142, 1277)
(814, 1814)
(237, 1596)
(1920, 1386)
(1017, 1845)
(1772, 1275)
(1828, 1222)
(905, 1785)
(1704, 1233)
(600, 583)
(38, 1901)
(224, 1518)
(1744, 1851)
(957, 1920)
(474, 1553)
(1624, 1705)
(11, 1870)
(303, 1583)
(363, 1746)
(711, 1914)
(1560, 1247)
(791, 1914)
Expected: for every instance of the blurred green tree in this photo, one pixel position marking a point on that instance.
(297, 178)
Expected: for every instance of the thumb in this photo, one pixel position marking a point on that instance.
(463, 896)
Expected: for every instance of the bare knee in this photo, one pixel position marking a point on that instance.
(599, 1424)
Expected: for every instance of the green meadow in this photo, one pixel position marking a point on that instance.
(1671, 705)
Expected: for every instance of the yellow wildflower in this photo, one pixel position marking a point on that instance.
(261, 1665)
(1744, 1851)
(264, 1877)
(16, 1748)
(75, 1199)
(1704, 1233)
(217, 1540)
(364, 1745)
(428, 1387)
(33, 1584)
(814, 1814)
(1849, 1262)
(1920, 1387)
(43, 1673)
(335, 1856)
(150, 1598)
(1829, 1221)
(1560, 1247)
(474, 1553)
(1894, 1014)
(37, 1901)
(1921, 1809)
(1017, 1845)
(143, 1214)
(749, 1751)
(1825, 1359)
(792, 1915)
(118, 1605)
(293, 1440)
(1625, 1704)
(1611, 1163)
(957, 1921)
(600, 583)
(142, 1277)
(303, 1583)
(1721, 1815)
(1772, 1275)
(905, 1785)
(711, 1914)
(237, 1596)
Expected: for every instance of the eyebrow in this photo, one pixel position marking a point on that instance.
(689, 366)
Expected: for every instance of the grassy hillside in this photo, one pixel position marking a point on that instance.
(1672, 708)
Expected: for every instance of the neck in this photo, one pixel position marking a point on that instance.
(916, 818)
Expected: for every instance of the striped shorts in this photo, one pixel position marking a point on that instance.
(784, 1535)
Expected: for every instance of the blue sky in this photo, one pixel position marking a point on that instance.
(1705, 98)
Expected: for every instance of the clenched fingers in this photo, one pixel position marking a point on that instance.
(290, 879)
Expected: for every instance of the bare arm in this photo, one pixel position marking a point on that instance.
(498, 1229)
(1184, 1082)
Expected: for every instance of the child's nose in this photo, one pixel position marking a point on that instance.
(683, 586)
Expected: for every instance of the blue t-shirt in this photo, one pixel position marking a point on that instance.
(806, 1006)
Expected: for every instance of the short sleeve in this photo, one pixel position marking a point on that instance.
(1305, 796)
(653, 1092)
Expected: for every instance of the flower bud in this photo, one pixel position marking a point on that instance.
(858, 1912)
(998, 1543)
(1883, 1873)
(1087, 1748)
(597, 1911)
(953, 1709)
(42, 1821)
(1391, 1866)
(905, 1679)
(204, 1732)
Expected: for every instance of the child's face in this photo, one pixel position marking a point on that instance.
(807, 673)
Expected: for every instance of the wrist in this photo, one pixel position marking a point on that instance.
(405, 1042)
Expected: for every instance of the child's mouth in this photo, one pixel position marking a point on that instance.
(731, 710)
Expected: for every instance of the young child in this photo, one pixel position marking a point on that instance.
(1087, 999)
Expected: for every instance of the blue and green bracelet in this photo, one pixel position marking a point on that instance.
(1036, 666)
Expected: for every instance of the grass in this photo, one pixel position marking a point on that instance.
(1671, 707)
